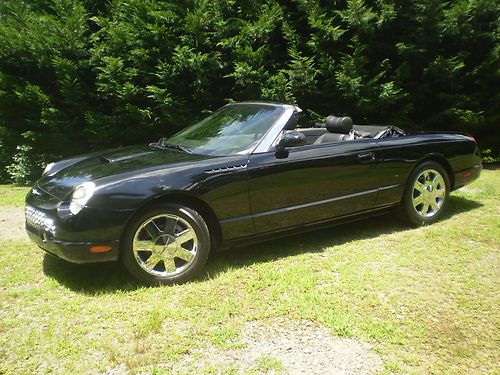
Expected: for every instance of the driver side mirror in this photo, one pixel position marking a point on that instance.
(290, 138)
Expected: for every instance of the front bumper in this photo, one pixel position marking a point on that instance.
(71, 238)
(74, 252)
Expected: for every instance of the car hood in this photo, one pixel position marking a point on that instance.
(92, 167)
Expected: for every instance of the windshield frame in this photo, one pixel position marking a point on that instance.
(267, 140)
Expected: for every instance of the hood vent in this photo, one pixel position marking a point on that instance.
(226, 169)
(110, 159)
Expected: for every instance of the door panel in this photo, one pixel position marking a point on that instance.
(313, 183)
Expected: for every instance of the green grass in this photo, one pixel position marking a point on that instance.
(266, 364)
(427, 299)
(11, 195)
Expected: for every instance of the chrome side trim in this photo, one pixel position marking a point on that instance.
(306, 205)
(310, 204)
(389, 187)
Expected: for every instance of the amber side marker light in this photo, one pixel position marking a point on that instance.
(467, 174)
(100, 249)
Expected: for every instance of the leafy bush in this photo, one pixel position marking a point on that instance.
(25, 166)
(489, 158)
(78, 75)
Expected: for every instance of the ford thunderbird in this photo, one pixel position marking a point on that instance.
(248, 172)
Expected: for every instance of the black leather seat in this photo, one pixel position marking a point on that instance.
(339, 129)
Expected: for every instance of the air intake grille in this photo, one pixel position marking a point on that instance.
(38, 219)
(226, 169)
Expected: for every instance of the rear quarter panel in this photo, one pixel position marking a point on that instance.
(399, 156)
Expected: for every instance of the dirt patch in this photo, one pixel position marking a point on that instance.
(12, 223)
(295, 347)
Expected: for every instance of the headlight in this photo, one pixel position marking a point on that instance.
(80, 197)
(48, 168)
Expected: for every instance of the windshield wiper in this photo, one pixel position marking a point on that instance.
(162, 143)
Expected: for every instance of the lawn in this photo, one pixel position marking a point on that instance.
(11, 195)
(426, 299)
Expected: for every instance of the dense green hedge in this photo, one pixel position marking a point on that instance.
(77, 75)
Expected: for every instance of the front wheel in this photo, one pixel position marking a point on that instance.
(166, 245)
(426, 195)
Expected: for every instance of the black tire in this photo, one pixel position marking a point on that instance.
(135, 261)
(415, 215)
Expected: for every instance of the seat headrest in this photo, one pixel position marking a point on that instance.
(341, 125)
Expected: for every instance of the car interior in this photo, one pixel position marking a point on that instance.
(340, 129)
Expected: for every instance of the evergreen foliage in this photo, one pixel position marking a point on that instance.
(77, 75)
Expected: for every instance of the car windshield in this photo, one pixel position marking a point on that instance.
(235, 129)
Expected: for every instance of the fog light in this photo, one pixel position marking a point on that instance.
(100, 249)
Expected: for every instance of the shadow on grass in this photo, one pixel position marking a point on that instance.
(92, 278)
(102, 278)
(492, 166)
(318, 240)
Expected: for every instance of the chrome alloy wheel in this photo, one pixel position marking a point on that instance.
(429, 193)
(165, 245)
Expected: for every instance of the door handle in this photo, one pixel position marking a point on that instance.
(368, 157)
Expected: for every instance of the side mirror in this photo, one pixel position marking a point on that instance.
(291, 138)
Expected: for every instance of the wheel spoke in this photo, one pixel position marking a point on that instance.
(152, 261)
(425, 209)
(169, 265)
(439, 193)
(184, 237)
(420, 187)
(437, 181)
(143, 245)
(434, 206)
(418, 200)
(184, 254)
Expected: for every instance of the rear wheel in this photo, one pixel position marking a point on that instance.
(166, 245)
(427, 193)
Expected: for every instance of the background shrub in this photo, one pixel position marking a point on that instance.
(79, 75)
(25, 166)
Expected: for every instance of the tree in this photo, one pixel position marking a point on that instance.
(79, 75)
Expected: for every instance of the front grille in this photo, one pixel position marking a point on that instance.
(38, 219)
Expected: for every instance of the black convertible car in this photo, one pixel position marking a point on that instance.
(247, 172)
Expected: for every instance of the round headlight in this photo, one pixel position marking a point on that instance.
(47, 168)
(80, 197)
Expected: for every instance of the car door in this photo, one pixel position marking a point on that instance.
(312, 183)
